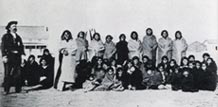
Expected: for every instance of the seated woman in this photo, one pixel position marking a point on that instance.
(46, 76)
(154, 79)
(94, 81)
(207, 77)
(118, 83)
(132, 77)
(164, 61)
(187, 81)
(32, 70)
(175, 76)
(48, 57)
(107, 82)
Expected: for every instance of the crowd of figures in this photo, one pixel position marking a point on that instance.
(132, 65)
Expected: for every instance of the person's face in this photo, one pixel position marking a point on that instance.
(129, 64)
(108, 39)
(164, 35)
(198, 65)
(113, 63)
(149, 32)
(46, 53)
(185, 62)
(97, 37)
(205, 58)
(178, 36)
(31, 59)
(122, 38)
(100, 61)
(172, 63)
(149, 72)
(13, 28)
(145, 60)
(209, 61)
(105, 66)
(43, 62)
(120, 73)
(81, 35)
(204, 66)
(191, 59)
(186, 73)
(110, 72)
(191, 65)
(160, 68)
(134, 36)
(135, 61)
(66, 36)
(165, 60)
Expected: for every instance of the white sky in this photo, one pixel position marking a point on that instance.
(197, 19)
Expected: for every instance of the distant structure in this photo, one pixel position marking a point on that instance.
(34, 38)
(197, 48)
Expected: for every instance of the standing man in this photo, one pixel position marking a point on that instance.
(12, 50)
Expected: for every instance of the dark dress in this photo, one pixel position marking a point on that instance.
(187, 83)
(33, 73)
(208, 79)
(122, 51)
(48, 72)
(133, 79)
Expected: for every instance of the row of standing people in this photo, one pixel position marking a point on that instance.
(72, 52)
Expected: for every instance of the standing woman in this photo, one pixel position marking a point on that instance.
(110, 48)
(122, 50)
(82, 44)
(134, 45)
(164, 46)
(96, 47)
(179, 47)
(67, 66)
(149, 45)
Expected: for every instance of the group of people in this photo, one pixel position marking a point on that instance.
(132, 64)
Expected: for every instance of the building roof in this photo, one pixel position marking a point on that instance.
(30, 32)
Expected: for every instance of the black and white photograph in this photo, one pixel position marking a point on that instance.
(108, 53)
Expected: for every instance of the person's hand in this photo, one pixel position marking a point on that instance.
(5, 59)
(42, 78)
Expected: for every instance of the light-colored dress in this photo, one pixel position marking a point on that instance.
(81, 50)
(96, 48)
(110, 49)
(68, 62)
(164, 48)
(135, 48)
(179, 49)
(149, 46)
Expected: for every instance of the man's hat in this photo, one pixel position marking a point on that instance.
(10, 23)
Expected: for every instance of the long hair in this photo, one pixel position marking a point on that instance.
(134, 32)
(180, 33)
(148, 30)
(81, 33)
(69, 34)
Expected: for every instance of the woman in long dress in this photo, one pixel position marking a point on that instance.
(164, 46)
(96, 47)
(82, 44)
(149, 45)
(67, 66)
(122, 50)
(134, 46)
(110, 48)
(179, 47)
